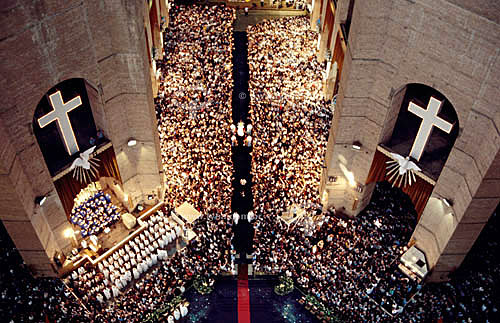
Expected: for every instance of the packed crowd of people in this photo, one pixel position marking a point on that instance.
(343, 256)
(194, 107)
(289, 115)
(351, 266)
(27, 299)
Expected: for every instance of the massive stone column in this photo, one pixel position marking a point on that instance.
(37, 232)
(452, 48)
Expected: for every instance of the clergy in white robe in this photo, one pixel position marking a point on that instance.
(123, 280)
(100, 298)
(144, 266)
(154, 258)
(170, 319)
(184, 310)
(177, 314)
(107, 293)
(116, 291)
(136, 273)
(250, 216)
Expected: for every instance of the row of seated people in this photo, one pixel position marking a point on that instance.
(115, 272)
(95, 214)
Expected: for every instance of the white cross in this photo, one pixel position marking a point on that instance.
(430, 119)
(60, 114)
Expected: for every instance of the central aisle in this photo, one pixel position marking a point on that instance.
(242, 200)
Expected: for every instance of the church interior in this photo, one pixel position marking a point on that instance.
(247, 160)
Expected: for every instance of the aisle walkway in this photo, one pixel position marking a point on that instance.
(242, 200)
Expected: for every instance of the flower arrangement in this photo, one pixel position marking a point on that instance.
(165, 309)
(315, 306)
(285, 286)
(202, 285)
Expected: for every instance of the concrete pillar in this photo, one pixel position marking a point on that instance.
(323, 43)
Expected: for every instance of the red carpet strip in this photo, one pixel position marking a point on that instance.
(243, 295)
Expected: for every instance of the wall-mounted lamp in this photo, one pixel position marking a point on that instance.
(448, 203)
(356, 145)
(132, 142)
(332, 179)
(40, 199)
(359, 188)
(150, 197)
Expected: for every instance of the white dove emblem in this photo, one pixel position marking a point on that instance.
(83, 160)
(401, 169)
(84, 166)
